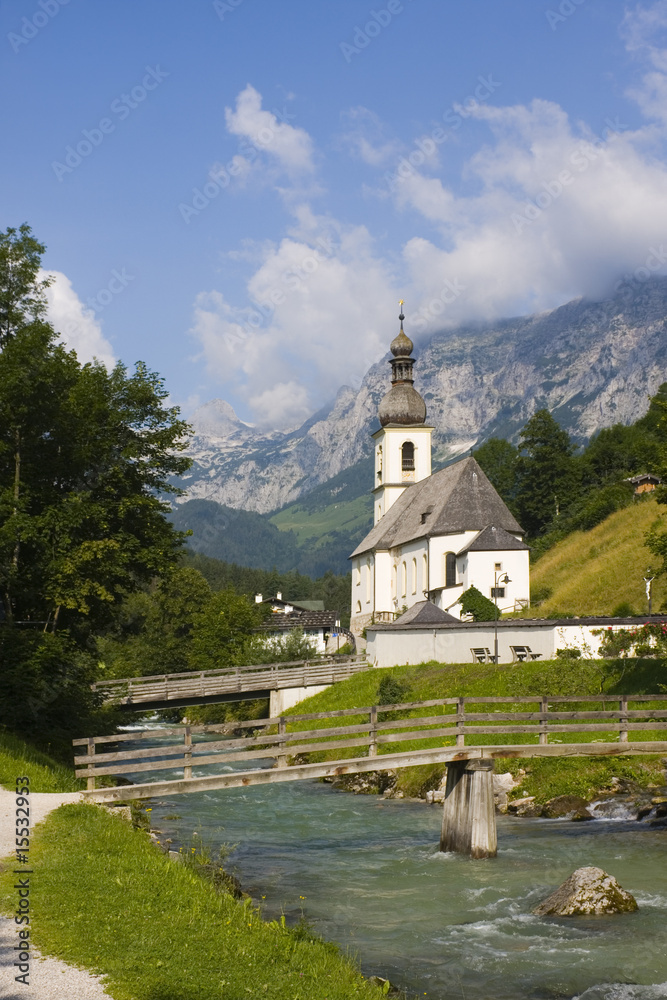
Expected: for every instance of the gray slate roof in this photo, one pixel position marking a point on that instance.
(461, 498)
(493, 539)
(424, 613)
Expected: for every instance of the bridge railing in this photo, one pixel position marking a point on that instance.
(203, 683)
(452, 722)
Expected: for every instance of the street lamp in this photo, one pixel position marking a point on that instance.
(504, 579)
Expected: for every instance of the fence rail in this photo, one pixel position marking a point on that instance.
(457, 724)
(228, 680)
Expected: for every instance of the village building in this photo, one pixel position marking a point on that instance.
(434, 534)
(647, 482)
(321, 627)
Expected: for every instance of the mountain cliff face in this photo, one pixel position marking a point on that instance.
(591, 364)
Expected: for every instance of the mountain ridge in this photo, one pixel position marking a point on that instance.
(591, 364)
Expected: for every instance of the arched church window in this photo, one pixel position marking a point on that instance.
(404, 579)
(425, 574)
(368, 580)
(394, 575)
(358, 607)
(379, 462)
(407, 456)
(414, 576)
(450, 569)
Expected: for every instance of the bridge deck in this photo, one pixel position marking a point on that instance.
(226, 683)
(454, 729)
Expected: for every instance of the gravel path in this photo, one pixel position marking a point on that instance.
(50, 979)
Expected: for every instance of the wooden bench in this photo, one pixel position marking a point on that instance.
(481, 654)
(521, 653)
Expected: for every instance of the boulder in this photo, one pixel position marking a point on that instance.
(587, 891)
(524, 807)
(502, 784)
(566, 806)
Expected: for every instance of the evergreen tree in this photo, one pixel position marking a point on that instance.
(499, 460)
(547, 473)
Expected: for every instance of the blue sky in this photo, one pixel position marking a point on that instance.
(239, 192)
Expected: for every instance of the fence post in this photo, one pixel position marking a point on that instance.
(372, 732)
(91, 767)
(460, 722)
(544, 732)
(623, 719)
(187, 767)
(281, 758)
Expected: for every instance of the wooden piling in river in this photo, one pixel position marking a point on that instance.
(469, 816)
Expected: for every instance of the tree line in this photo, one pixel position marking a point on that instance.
(93, 578)
(553, 487)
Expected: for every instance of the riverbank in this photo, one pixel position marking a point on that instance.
(540, 778)
(107, 899)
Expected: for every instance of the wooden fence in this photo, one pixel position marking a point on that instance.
(229, 680)
(455, 728)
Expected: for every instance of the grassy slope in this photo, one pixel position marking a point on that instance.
(544, 777)
(348, 516)
(590, 572)
(46, 774)
(106, 899)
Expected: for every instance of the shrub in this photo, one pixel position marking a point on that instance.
(568, 654)
(624, 610)
(474, 603)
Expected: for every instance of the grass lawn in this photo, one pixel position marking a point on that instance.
(591, 572)
(45, 773)
(105, 898)
(545, 777)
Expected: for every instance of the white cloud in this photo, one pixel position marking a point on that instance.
(547, 211)
(77, 325)
(290, 146)
(642, 28)
(366, 139)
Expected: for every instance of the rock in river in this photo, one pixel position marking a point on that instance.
(587, 891)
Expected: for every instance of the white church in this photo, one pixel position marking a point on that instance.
(434, 535)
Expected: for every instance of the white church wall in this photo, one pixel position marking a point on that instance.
(395, 647)
(481, 573)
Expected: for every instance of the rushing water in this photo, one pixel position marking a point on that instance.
(366, 872)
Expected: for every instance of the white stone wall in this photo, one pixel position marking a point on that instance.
(394, 647)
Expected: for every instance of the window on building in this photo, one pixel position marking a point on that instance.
(394, 574)
(369, 572)
(404, 579)
(358, 607)
(407, 456)
(450, 569)
(497, 567)
(379, 462)
(414, 576)
(497, 592)
(425, 574)
(357, 576)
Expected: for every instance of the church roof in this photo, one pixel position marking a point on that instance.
(424, 613)
(458, 498)
(494, 539)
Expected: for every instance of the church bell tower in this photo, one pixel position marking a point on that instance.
(403, 443)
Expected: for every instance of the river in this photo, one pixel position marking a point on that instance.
(366, 873)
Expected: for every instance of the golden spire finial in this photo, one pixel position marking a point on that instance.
(401, 316)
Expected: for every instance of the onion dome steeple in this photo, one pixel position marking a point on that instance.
(402, 404)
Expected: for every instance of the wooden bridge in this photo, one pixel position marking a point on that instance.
(228, 683)
(467, 734)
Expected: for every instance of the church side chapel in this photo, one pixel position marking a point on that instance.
(434, 535)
